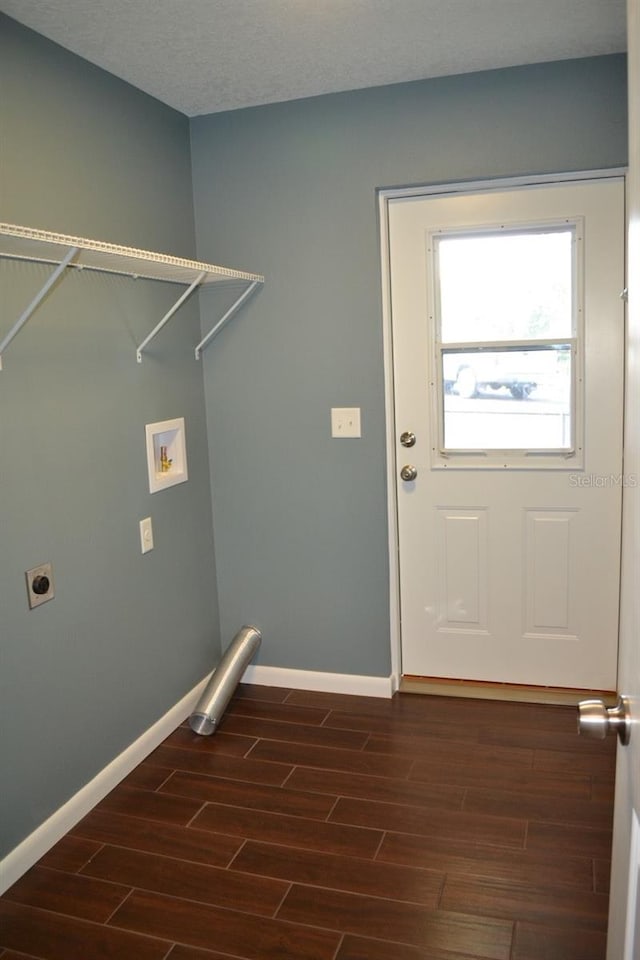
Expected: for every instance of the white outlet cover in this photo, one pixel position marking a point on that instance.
(345, 422)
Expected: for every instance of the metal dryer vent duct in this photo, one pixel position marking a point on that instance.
(224, 680)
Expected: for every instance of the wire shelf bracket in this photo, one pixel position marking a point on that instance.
(64, 252)
(227, 316)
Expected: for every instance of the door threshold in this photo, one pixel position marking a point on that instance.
(484, 690)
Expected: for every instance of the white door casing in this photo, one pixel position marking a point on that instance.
(623, 941)
(510, 573)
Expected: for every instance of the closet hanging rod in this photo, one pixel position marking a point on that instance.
(62, 251)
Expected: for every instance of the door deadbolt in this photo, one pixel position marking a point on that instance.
(408, 472)
(408, 439)
(596, 720)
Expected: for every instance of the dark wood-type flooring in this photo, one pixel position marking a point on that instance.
(319, 826)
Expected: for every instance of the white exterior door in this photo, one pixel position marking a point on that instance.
(508, 333)
(623, 942)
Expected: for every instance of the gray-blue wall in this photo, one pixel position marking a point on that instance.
(126, 636)
(290, 191)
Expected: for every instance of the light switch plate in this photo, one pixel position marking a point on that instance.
(146, 535)
(345, 422)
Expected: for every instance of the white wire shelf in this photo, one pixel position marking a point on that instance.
(66, 252)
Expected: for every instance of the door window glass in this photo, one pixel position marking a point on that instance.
(510, 286)
(506, 326)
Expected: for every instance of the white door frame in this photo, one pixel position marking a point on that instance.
(384, 196)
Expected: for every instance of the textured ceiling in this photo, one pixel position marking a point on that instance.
(203, 56)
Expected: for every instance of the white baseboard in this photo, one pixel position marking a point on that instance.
(325, 682)
(22, 857)
(33, 847)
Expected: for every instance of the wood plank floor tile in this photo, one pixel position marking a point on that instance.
(470, 711)
(538, 716)
(333, 782)
(417, 926)
(322, 700)
(601, 764)
(467, 710)
(359, 948)
(549, 905)
(497, 713)
(472, 859)
(341, 873)
(292, 732)
(146, 805)
(498, 801)
(191, 881)
(225, 931)
(501, 776)
(254, 796)
(397, 729)
(401, 818)
(477, 756)
(559, 839)
(258, 691)
(145, 777)
(68, 893)
(601, 876)
(603, 789)
(50, 936)
(535, 942)
(13, 955)
(308, 834)
(70, 854)
(537, 738)
(215, 765)
(180, 952)
(330, 759)
(226, 744)
(182, 843)
(287, 712)
(423, 733)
